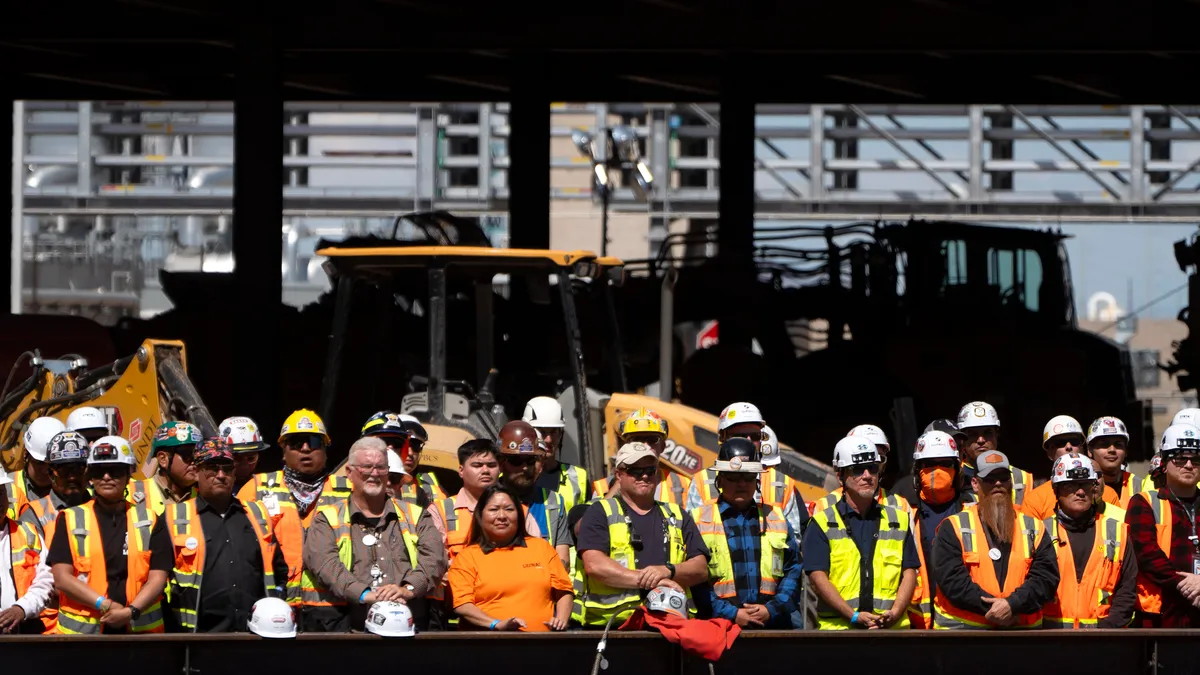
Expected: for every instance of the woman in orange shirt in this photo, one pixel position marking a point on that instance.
(505, 580)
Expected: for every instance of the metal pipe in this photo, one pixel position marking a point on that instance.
(666, 335)
(16, 297)
(1057, 146)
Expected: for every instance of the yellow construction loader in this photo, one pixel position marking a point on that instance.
(137, 393)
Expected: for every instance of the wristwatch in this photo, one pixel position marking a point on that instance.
(134, 613)
(671, 569)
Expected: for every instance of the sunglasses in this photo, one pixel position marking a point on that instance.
(517, 460)
(642, 473)
(99, 472)
(297, 441)
(1061, 441)
(870, 467)
(1183, 460)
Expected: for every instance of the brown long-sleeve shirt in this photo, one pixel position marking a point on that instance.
(389, 553)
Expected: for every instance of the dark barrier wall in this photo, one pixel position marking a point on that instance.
(1129, 652)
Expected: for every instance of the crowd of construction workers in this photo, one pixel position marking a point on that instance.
(209, 544)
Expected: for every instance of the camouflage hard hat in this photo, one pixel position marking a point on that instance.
(173, 434)
(213, 450)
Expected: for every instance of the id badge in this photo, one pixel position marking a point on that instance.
(1196, 563)
(272, 504)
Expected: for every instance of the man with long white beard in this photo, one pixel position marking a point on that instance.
(994, 567)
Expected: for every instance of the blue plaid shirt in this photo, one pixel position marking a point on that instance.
(743, 534)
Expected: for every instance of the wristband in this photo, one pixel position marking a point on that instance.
(100, 601)
(495, 622)
(854, 619)
(363, 597)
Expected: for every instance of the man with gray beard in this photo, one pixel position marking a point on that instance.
(994, 567)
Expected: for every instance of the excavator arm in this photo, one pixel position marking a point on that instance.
(138, 393)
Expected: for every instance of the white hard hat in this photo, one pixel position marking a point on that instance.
(1180, 437)
(667, 599)
(739, 413)
(242, 434)
(86, 418)
(272, 618)
(1073, 466)
(38, 435)
(935, 445)
(871, 433)
(111, 450)
(544, 412)
(853, 450)
(395, 464)
(1187, 416)
(769, 448)
(1060, 425)
(1107, 426)
(5, 479)
(390, 619)
(977, 414)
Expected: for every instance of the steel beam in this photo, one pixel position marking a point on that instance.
(735, 208)
(258, 205)
(529, 150)
(12, 141)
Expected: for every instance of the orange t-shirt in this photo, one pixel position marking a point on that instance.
(1042, 501)
(515, 581)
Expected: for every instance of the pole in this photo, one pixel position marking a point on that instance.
(604, 197)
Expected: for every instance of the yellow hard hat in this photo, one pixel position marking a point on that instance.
(642, 421)
(303, 421)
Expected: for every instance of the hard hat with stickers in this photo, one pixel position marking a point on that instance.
(1061, 425)
(642, 421)
(1107, 426)
(871, 433)
(977, 414)
(769, 447)
(67, 447)
(173, 434)
(390, 619)
(242, 434)
(86, 418)
(935, 445)
(1179, 438)
(1073, 467)
(303, 421)
(111, 450)
(852, 451)
(739, 413)
(384, 423)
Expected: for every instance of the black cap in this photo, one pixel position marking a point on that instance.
(739, 447)
(945, 426)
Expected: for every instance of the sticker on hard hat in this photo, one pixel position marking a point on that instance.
(182, 433)
(862, 457)
(979, 412)
(526, 446)
(379, 619)
(676, 602)
(732, 414)
(305, 424)
(735, 463)
(1058, 428)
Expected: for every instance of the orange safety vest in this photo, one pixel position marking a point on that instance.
(971, 536)
(1149, 594)
(1131, 484)
(706, 485)
(46, 515)
(1081, 604)
(87, 559)
(778, 488)
(457, 529)
(272, 491)
(17, 497)
(919, 608)
(26, 548)
(187, 537)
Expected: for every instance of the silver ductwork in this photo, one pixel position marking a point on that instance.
(211, 177)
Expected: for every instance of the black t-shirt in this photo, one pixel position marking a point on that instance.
(112, 541)
(651, 528)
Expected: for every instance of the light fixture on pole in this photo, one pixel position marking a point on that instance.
(621, 151)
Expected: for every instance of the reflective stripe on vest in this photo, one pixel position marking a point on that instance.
(772, 548)
(1131, 484)
(312, 594)
(670, 488)
(884, 499)
(1149, 594)
(149, 492)
(17, 495)
(776, 487)
(845, 564)
(87, 558)
(26, 548)
(432, 486)
(572, 485)
(596, 602)
(1081, 604)
(554, 511)
(969, 531)
(187, 537)
(1022, 484)
(920, 608)
(335, 489)
(706, 485)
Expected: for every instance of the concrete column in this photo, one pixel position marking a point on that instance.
(258, 213)
(529, 154)
(735, 206)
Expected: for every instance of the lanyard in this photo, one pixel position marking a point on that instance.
(1191, 521)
